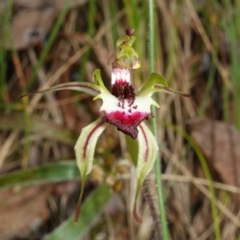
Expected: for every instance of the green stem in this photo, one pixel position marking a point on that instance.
(5, 22)
(157, 166)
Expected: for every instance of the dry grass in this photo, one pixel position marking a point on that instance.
(186, 46)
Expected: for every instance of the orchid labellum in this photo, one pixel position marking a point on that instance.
(122, 107)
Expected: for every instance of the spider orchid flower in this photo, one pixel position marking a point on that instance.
(122, 107)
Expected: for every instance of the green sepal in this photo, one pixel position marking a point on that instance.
(154, 83)
(132, 146)
(125, 40)
(127, 57)
(97, 79)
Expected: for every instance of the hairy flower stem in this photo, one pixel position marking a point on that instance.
(147, 195)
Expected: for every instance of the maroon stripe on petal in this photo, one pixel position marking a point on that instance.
(173, 91)
(146, 142)
(89, 138)
(179, 93)
(77, 85)
(64, 87)
(135, 215)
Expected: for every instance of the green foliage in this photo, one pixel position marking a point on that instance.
(90, 212)
(5, 39)
(56, 172)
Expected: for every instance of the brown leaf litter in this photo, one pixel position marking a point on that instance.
(219, 143)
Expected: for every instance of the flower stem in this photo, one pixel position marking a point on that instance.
(157, 166)
(147, 195)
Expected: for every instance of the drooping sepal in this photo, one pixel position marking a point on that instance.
(147, 153)
(86, 143)
(84, 150)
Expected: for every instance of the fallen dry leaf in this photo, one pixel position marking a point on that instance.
(219, 142)
(24, 211)
(32, 20)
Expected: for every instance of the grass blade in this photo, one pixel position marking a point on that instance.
(61, 171)
(91, 208)
(157, 166)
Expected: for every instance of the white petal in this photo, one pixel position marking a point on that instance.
(141, 104)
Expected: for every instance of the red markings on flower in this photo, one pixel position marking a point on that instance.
(77, 85)
(127, 119)
(126, 122)
(135, 214)
(172, 91)
(123, 90)
(89, 138)
(146, 142)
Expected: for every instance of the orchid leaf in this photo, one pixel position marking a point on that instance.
(147, 153)
(55, 172)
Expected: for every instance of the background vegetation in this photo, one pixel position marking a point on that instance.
(197, 50)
